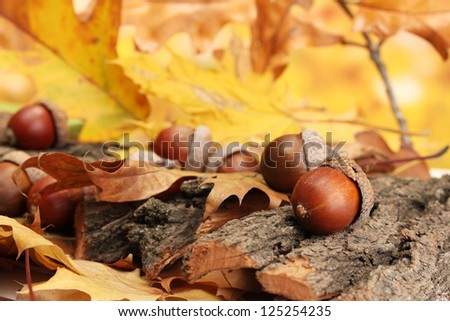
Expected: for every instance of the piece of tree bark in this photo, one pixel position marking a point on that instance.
(155, 232)
(402, 253)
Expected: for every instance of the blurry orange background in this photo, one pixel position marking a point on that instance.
(341, 79)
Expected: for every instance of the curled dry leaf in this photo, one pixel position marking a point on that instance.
(373, 154)
(16, 238)
(123, 181)
(239, 185)
(276, 27)
(217, 285)
(427, 19)
(94, 281)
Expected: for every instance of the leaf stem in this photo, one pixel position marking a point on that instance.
(374, 51)
(413, 158)
(28, 274)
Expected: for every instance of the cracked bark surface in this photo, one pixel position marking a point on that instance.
(401, 253)
(155, 232)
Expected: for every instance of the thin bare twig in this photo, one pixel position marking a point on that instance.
(360, 122)
(357, 122)
(374, 51)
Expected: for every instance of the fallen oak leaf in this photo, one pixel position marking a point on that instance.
(119, 181)
(233, 208)
(137, 181)
(192, 292)
(177, 288)
(123, 181)
(374, 156)
(239, 185)
(241, 279)
(16, 238)
(69, 171)
(95, 281)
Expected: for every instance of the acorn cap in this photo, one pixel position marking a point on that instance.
(355, 172)
(314, 149)
(60, 120)
(18, 157)
(197, 154)
(4, 120)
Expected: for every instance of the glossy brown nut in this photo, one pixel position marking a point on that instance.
(282, 162)
(173, 143)
(325, 201)
(12, 201)
(57, 209)
(239, 161)
(32, 127)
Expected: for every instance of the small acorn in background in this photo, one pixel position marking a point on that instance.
(239, 161)
(283, 160)
(16, 86)
(39, 126)
(173, 143)
(12, 193)
(12, 200)
(57, 209)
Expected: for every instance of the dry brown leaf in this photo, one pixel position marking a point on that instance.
(276, 28)
(192, 292)
(178, 289)
(228, 285)
(123, 181)
(136, 181)
(95, 282)
(427, 19)
(16, 238)
(239, 185)
(374, 156)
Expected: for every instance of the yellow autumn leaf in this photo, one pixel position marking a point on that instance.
(326, 89)
(57, 81)
(88, 46)
(94, 281)
(195, 292)
(16, 238)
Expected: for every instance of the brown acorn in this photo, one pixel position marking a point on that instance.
(41, 125)
(332, 197)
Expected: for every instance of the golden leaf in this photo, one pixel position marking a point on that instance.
(15, 238)
(95, 281)
(88, 48)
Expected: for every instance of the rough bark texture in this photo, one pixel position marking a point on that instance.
(155, 231)
(402, 252)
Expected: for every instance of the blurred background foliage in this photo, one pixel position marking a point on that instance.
(193, 80)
